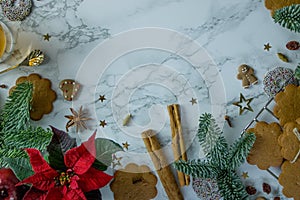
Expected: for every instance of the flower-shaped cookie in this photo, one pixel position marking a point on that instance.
(287, 104)
(290, 179)
(290, 141)
(273, 5)
(134, 182)
(266, 150)
(42, 97)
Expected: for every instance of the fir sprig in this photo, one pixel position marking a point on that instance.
(288, 17)
(16, 111)
(221, 160)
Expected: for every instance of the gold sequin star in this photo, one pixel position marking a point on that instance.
(193, 101)
(102, 98)
(125, 145)
(245, 175)
(267, 47)
(116, 161)
(103, 123)
(47, 37)
(243, 104)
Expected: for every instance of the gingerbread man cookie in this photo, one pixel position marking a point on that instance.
(246, 74)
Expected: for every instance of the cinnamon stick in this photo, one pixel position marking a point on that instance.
(160, 163)
(178, 141)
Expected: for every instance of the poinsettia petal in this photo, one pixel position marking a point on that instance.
(74, 195)
(54, 193)
(35, 194)
(37, 161)
(93, 179)
(81, 158)
(42, 181)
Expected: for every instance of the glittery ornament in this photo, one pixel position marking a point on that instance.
(206, 189)
(277, 78)
(16, 12)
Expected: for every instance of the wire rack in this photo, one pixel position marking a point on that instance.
(266, 109)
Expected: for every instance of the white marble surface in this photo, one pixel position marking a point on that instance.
(192, 50)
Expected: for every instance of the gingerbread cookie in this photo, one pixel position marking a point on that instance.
(134, 182)
(42, 97)
(69, 88)
(287, 104)
(266, 150)
(273, 5)
(246, 74)
(290, 179)
(290, 141)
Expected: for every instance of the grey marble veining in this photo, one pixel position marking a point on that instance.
(142, 74)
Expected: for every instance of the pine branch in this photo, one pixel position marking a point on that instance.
(208, 133)
(240, 149)
(219, 154)
(16, 109)
(197, 168)
(10, 153)
(37, 138)
(231, 186)
(288, 17)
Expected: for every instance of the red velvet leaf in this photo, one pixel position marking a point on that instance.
(93, 179)
(54, 193)
(35, 194)
(74, 195)
(37, 161)
(42, 181)
(81, 158)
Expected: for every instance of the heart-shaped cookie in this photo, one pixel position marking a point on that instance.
(69, 88)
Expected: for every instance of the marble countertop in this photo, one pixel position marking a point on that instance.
(146, 54)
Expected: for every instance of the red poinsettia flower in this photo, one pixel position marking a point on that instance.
(80, 176)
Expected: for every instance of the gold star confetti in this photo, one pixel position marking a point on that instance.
(267, 47)
(47, 37)
(102, 98)
(243, 104)
(116, 161)
(103, 123)
(125, 145)
(245, 175)
(193, 101)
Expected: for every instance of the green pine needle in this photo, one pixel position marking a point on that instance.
(37, 138)
(240, 149)
(208, 133)
(15, 114)
(197, 168)
(288, 17)
(222, 160)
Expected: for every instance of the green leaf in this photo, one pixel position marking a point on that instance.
(16, 109)
(105, 148)
(93, 195)
(20, 166)
(60, 143)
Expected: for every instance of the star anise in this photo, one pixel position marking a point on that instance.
(77, 119)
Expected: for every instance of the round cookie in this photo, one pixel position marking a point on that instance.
(289, 141)
(276, 78)
(290, 179)
(287, 104)
(266, 150)
(16, 12)
(139, 182)
(42, 97)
